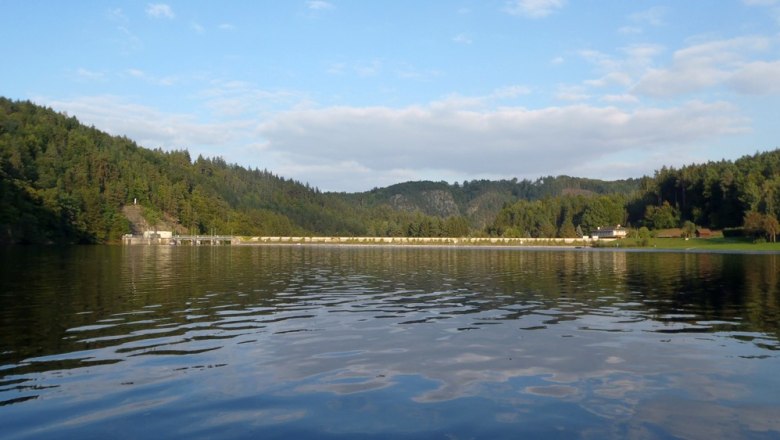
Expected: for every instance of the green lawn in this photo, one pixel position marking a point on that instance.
(715, 244)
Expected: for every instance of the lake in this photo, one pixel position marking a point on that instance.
(387, 342)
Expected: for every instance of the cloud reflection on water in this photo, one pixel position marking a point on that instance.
(311, 337)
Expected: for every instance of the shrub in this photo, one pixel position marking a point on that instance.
(733, 232)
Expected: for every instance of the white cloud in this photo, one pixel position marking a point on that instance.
(462, 39)
(407, 71)
(481, 102)
(117, 15)
(356, 148)
(151, 127)
(160, 81)
(90, 75)
(533, 8)
(653, 16)
(567, 92)
(159, 10)
(757, 78)
(612, 78)
(507, 141)
(226, 27)
(630, 30)
(643, 53)
(197, 27)
(602, 60)
(705, 65)
(318, 5)
(336, 68)
(359, 68)
(360, 176)
(232, 99)
(680, 81)
(371, 68)
(636, 60)
(128, 41)
(510, 92)
(620, 99)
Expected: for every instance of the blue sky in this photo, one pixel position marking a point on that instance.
(350, 95)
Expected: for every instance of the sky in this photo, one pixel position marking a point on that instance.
(348, 95)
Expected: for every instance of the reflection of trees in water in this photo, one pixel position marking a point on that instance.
(685, 287)
(47, 291)
(368, 318)
(732, 288)
(762, 288)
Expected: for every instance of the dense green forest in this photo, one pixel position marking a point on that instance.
(743, 195)
(480, 201)
(64, 182)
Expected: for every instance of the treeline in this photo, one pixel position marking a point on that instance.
(64, 182)
(742, 197)
(61, 181)
(564, 216)
(743, 193)
(480, 201)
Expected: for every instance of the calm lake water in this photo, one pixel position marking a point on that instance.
(380, 342)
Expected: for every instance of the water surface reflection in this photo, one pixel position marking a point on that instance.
(388, 342)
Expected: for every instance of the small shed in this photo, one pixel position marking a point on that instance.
(669, 233)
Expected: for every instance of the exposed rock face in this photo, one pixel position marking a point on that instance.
(138, 224)
(433, 202)
(401, 202)
(440, 203)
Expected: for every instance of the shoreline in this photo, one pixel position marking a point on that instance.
(420, 241)
(419, 246)
(718, 245)
(709, 245)
(692, 250)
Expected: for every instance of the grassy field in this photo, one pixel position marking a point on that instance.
(702, 244)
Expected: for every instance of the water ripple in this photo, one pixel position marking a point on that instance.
(573, 333)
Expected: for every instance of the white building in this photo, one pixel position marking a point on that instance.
(158, 234)
(609, 233)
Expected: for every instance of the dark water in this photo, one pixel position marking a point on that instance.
(318, 342)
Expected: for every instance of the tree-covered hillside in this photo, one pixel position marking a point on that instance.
(481, 200)
(741, 194)
(61, 181)
(64, 182)
(719, 194)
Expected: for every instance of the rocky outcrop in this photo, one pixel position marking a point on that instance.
(139, 224)
(433, 202)
(440, 203)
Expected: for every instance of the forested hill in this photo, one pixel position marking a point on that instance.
(481, 200)
(61, 181)
(64, 182)
(742, 194)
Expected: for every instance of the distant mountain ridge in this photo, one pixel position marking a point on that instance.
(481, 200)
